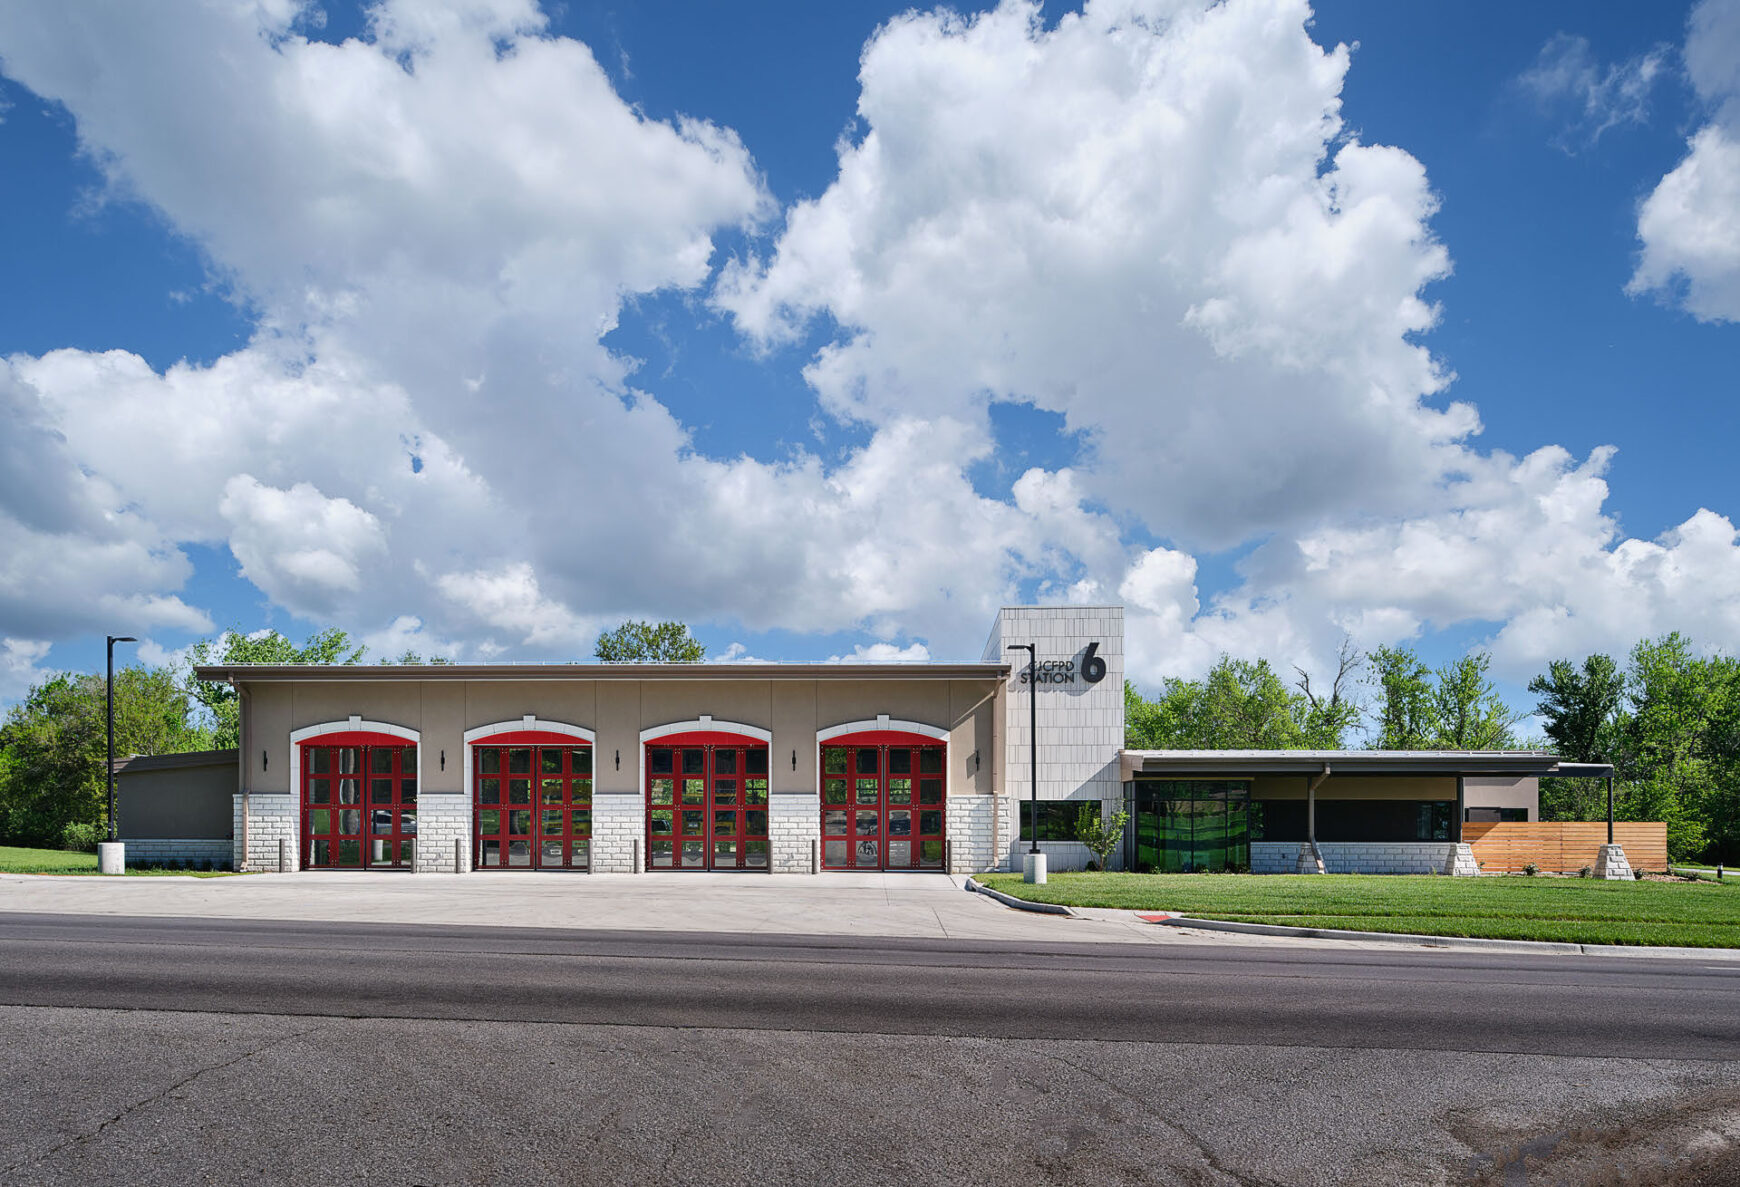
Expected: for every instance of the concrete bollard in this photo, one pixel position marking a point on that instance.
(949, 855)
(1033, 869)
(416, 858)
(283, 855)
(459, 856)
(111, 857)
(815, 856)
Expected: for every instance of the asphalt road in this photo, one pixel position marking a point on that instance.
(157, 1050)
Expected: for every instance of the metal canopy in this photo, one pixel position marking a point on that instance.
(1179, 763)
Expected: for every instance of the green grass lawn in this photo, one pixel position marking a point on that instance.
(62, 861)
(1572, 910)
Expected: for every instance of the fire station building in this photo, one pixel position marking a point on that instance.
(786, 768)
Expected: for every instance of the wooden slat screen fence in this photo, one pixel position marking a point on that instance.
(1562, 847)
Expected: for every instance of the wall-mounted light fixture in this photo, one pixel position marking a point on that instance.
(794, 760)
(975, 758)
(263, 759)
(443, 760)
(619, 760)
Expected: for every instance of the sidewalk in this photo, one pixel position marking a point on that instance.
(915, 905)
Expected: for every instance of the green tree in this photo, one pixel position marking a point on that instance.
(1467, 711)
(1101, 837)
(650, 643)
(1245, 706)
(53, 746)
(1670, 746)
(1326, 718)
(331, 646)
(1581, 709)
(1405, 712)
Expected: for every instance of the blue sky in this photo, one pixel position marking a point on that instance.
(828, 328)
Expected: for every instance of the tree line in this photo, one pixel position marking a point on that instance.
(1667, 719)
(53, 743)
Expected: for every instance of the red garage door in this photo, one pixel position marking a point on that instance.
(706, 802)
(883, 802)
(532, 802)
(359, 802)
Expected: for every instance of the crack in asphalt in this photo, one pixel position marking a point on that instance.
(81, 1138)
(1198, 1144)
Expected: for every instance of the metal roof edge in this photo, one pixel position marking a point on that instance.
(510, 671)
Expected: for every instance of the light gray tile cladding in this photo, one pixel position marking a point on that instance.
(1081, 725)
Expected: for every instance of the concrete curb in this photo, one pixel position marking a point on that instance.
(1548, 947)
(1020, 904)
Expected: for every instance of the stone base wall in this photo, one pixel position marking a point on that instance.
(794, 826)
(443, 833)
(618, 833)
(1356, 857)
(271, 818)
(219, 852)
(968, 827)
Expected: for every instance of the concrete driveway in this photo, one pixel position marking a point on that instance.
(914, 905)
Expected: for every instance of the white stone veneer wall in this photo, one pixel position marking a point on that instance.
(618, 831)
(220, 851)
(443, 826)
(968, 828)
(271, 818)
(1356, 857)
(794, 825)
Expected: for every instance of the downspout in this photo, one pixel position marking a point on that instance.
(1461, 807)
(1311, 805)
(242, 764)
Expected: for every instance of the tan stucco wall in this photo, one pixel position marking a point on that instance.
(181, 802)
(1499, 791)
(618, 710)
(1356, 787)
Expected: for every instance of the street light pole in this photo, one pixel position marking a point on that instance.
(1035, 871)
(109, 715)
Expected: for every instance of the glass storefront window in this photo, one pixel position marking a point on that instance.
(1186, 826)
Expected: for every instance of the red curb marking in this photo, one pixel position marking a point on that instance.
(1154, 918)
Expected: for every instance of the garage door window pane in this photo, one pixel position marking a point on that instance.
(580, 761)
(489, 762)
(519, 762)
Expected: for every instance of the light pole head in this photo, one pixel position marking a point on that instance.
(114, 639)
